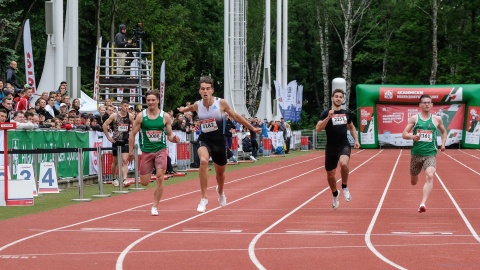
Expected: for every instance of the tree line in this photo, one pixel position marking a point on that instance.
(363, 41)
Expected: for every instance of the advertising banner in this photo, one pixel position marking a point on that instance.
(367, 126)
(472, 134)
(412, 94)
(67, 162)
(392, 120)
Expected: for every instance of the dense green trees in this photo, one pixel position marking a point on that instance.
(390, 41)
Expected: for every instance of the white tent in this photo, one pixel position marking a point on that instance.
(87, 104)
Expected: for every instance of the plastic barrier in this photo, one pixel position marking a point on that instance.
(234, 147)
(304, 143)
(267, 147)
(183, 156)
(107, 160)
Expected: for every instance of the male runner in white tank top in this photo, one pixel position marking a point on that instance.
(211, 112)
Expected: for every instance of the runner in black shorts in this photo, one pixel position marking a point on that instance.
(211, 112)
(120, 124)
(336, 122)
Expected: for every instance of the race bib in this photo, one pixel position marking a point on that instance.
(339, 119)
(425, 135)
(123, 127)
(208, 125)
(154, 135)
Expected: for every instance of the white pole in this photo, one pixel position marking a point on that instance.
(226, 48)
(72, 41)
(278, 63)
(285, 45)
(58, 40)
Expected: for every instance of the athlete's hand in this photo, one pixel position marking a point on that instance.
(181, 109)
(130, 156)
(442, 148)
(416, 137)
(330, 113)
(257, 130)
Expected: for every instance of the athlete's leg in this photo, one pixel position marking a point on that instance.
(220, 176)
(427, 188)
(203, 172)
(114, 168)
(125, 165)
(332, 181)
(344, 169)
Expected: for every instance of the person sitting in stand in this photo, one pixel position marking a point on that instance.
(247, 145)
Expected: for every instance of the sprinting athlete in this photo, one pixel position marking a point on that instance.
(422, 129)
(337, 151)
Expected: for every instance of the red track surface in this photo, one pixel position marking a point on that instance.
(279, 216)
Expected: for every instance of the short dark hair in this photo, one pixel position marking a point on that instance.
(424, 96)
(125, 101)
(2, 110)
(206, 79)
(338, 90)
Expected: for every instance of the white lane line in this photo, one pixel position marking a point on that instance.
(251, 247)
(374, 219)
(123, 254)
(469, 154)
(144, 205)
(459, 210)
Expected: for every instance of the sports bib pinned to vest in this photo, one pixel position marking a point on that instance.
(123, 127)
(339, 119)
(425, 135)
(208, 125)
(154, 135)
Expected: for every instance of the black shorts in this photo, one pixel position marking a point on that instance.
(332, 155)
(123, 144)
(217, 150)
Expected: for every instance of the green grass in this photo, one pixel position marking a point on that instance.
(48, 202)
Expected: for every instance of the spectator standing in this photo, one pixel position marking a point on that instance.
(11, 77)
(24, 103)
(288, 137)
(229, 131)
(50, 107)
(121, 42)
(7, 104)
(247, 145)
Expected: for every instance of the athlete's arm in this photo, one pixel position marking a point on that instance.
(167, 120)
(137, 123)
(189, 108)
(323, 123)
(235, 116)
(106, 125)
(353, 132)
(442, 129)
(407, 135)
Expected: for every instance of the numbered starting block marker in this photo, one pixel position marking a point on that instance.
(19, 191)
(47, 178)
(25, 172)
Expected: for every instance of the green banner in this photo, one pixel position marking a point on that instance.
(44, 139)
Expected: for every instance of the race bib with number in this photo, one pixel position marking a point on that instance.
(123, 127)
(154, 135)
(425, 135)
(339, 119)
(208, 125)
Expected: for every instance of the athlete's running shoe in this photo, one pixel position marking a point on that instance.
(154, 211)
(422, 208)
(115, 183)
(202, 206)
(346, 194)
(336, 202)
(222, 199)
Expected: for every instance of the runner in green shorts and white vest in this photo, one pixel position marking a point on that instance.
(422, 129)
(156, 128)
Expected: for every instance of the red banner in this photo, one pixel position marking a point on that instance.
(412, 94)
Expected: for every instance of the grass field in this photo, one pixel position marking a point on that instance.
(46, 202)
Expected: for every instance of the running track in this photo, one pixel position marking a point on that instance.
(279, 216)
